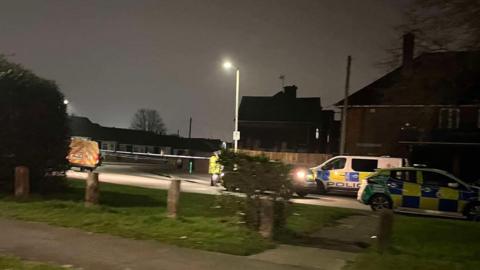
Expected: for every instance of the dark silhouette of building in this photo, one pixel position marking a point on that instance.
(129, 140)
(287, 123)
(428, 110)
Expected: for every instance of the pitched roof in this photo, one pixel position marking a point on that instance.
(444, 78)
(280, 107)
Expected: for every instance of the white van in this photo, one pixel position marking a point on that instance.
(345, 173)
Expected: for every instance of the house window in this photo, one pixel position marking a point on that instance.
(139, 149)
(449, 118)
(105, 145)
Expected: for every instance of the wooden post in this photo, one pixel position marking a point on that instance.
(92, 190)
(385, 229)
(173, 198)
(266, 217)
(22, 182)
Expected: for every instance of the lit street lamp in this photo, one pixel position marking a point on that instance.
(65, 101)
(236, 133)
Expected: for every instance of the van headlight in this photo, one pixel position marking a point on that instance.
(300, 174)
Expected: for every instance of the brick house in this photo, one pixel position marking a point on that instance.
(286, 123)
(427, 110)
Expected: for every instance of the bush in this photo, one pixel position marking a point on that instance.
(34, 127)
(258, 177)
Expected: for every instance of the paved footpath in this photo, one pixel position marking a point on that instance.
(84, 250)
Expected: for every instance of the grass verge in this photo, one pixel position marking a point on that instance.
(139, 213)
(427, 243)
(8, 262)
(307, 219)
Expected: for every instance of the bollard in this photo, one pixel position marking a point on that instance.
(22, 182)
(92, 190)
(266, 217)
(385, 229)
(173, 198)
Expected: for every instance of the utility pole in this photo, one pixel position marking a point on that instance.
(190, 129)
(343, 135)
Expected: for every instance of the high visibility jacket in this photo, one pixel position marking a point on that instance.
(214, 167)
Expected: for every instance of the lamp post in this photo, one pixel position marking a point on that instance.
(236, 133)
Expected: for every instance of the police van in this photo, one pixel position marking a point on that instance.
(341, 173)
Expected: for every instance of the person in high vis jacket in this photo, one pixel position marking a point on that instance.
(215, 169)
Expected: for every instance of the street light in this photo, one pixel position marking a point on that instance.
(236, 133)
(65, 101)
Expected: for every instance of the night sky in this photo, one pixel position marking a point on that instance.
(111, 58)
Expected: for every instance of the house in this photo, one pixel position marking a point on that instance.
(128, 140)
(428, 110)
(287, 123)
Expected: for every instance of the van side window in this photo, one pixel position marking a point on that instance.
(364, 165)
(336, 164)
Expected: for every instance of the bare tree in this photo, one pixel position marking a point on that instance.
(148, 120)
(439, 25)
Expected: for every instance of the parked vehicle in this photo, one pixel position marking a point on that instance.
(84, 154)
(421, 190)
(304, 181)
(341, 173)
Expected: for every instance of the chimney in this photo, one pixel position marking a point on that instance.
(290, 92)
(408, 49)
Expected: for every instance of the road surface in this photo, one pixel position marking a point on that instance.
(156, 176)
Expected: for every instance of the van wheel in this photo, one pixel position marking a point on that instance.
(472, 211)
(380, 202)
(301, 193)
